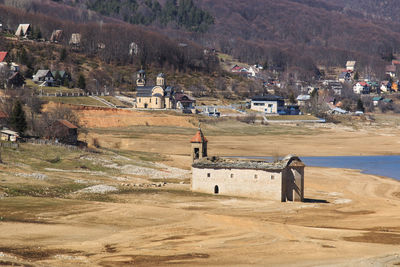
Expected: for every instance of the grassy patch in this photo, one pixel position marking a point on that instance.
(211, 127)
(114, 101)
(28, 209)
(97, 197)
(59, 191)
(292, 118)
(81, 100)
(136, 155)
(51, 89)
(40, 157)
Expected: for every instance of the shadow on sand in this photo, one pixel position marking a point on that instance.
(312, 200)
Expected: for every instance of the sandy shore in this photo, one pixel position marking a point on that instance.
(349, 219)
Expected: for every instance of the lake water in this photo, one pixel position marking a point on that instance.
(388, 166)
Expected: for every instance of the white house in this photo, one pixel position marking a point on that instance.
(8, 135)
(361, 88)
(253, 71)
(23, 30)
(350, 65)
(303, 99)
(44, 77)
(385, 86)
(269, 104)
(391, 70)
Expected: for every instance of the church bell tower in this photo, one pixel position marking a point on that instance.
(199, 145)
(141, 78)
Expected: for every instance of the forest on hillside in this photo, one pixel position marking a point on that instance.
(293, 36)
(113, 42)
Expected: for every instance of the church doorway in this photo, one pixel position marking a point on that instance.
(145, 105)
(216, 189)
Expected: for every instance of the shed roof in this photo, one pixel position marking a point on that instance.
(267, 98)
(2, 56)
(350, 63)
(391, 68)
(67, 124)
(41, 73)
(9, 132)
(303, 97)
(22, 29)
(3, 115)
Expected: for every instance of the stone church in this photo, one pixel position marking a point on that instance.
(153, 97)
(282, 180)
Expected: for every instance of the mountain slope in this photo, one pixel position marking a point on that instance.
(286, 34)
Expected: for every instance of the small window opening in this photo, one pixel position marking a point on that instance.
(255, 176)
(272, 177)
(232, 175)
(208, 175)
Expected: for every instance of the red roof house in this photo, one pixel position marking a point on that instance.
(2, 56)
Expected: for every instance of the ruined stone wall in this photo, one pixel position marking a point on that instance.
(238, 182)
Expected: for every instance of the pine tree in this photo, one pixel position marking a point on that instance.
(63, 54)
(356, 76)
(360, 105)
(82, 82)
(18, 118)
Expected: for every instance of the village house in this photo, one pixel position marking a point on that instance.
(75, 40)
(376, 100)
(8, 135)
(281, 181)
(361, 88)
(153, 97)
(395, 87)
(211, 112)
(387, 100)
(65, 132)
(44, 78)
(269, 104)
(345, 76)
(133, 49)
(185, 102)
(3, 56)
(23, 30)
(57, 36)
(351, 65)
(391, 70)
(14, 67)
(385, 86)
(60, 76)
(16, 80)
(302, 100)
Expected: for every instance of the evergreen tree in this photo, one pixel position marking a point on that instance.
(63, 54)
(17, 118)
(356, 76)
(360, 105)
(57, 78)
(82, 82)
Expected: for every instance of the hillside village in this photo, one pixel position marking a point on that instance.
(132, 134)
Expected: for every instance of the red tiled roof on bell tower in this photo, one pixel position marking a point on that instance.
(199, 138)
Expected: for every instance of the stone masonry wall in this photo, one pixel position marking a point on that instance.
(238, 182)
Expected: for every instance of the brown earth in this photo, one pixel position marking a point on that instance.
(348, 218)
